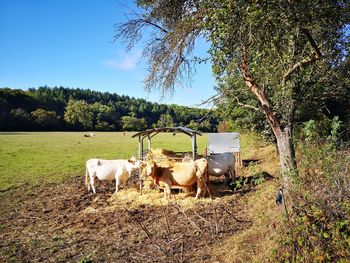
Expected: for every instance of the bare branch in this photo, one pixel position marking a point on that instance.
(213, 99)
(145, 229)
(169, 50)
(187, 217)
(247, 105)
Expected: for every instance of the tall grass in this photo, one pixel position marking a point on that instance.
(319, 228)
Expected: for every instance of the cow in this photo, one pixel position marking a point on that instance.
(179, 175)
(120, 170)
(222, 164)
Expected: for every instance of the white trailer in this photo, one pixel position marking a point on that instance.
(225, 142)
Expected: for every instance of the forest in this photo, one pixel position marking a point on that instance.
(65, 109)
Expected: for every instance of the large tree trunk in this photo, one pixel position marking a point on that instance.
(283, 136)
(286, 152)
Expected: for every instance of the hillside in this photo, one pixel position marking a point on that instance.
(62, 108)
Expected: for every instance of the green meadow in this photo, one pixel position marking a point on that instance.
(37, 158)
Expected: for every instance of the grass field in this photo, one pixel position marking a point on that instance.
(44, 157)
(35, 158)
(47, 215)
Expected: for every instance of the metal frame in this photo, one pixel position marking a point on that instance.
(150, 133)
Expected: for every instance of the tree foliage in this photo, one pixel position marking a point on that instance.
(62, 108)
(273, 57)
(79, 113)
(45, 119)
(130, 123)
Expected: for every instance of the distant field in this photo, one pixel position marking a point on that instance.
(36, 158)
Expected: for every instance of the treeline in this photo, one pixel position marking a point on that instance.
(66, 109)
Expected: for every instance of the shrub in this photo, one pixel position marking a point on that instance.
(319, 227)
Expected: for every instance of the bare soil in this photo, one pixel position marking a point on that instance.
(65, 223)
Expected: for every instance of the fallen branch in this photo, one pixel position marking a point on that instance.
(189, 219)
(210, 225)
(182, 250)
(144, 228)
(216, 220)
(166, 221)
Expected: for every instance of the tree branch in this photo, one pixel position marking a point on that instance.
(146, 21)
(312, 42)
(247, 105)
(298, 66)
(305, 31)
(261, 96)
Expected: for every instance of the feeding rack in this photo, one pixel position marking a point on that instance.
(150, 133)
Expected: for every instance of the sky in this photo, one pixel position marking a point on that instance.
(70, 43)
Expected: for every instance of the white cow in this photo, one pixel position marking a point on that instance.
(120, 170)
(222, 164)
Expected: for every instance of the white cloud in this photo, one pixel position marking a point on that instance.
(126, 62)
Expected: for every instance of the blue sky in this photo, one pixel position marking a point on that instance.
(70, 43)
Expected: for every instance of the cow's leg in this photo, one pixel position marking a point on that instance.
(233, 174)
(87, 183)
(167, 191)
(125, 178)
(117, 182)
(227, 178)
(200, 187)
(233, 177)
(92, 182)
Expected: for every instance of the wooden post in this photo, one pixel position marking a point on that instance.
(139, 150)
(194, 147)
(149, 142)
(238, 159)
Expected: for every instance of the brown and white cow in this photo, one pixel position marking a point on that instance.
(180, 175)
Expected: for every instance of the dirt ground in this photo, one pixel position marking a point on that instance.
(65, 223)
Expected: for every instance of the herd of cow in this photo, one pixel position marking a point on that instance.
(166, 175)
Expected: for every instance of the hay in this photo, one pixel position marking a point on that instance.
(159, 154)
(165, 158)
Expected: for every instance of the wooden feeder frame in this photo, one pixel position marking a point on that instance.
(150, 133)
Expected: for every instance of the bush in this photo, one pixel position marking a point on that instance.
(319, 227)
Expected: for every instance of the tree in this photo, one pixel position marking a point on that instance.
(79, 113)
(133, 124)
(166, 120)
(272, 51)
(193, 125)
(103, 117)
(45, 119)
(20, 119)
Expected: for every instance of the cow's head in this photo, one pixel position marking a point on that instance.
(132, 159)
(148, 169)
(134, 162)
